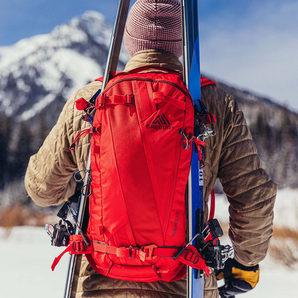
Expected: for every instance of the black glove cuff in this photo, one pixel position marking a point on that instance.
(242, 267)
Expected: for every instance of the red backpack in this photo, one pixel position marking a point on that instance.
(139, 169)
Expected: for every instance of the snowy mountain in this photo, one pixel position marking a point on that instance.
(42, 71)
(38, 74)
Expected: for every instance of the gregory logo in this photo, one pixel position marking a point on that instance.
(160, 122)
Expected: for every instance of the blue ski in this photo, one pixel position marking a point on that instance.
(191, 63)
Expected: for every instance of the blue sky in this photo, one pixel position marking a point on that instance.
(250, 44)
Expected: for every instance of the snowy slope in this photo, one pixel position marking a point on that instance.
(26, 257)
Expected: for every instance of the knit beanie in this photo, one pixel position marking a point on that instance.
(154, 24)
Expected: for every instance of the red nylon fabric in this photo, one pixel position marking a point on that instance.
(212, 204)
(139, 173)
(206, 82)
(81, 104)
(137, 218)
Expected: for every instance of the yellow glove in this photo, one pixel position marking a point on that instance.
(238, 278)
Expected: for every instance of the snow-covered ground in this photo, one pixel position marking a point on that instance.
(25, 265)
(26, 257)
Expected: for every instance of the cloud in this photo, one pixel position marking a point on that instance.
(256, 49)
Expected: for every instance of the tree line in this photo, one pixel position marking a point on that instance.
(277, 146)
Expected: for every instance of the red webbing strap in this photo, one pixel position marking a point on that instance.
(212, 204)
(57, 259)
(191, 257)
(159, 97)
(144, 253)
(125, 99)
(199, 143)
(83, 134)
(76, 246)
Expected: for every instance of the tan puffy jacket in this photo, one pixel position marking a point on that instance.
(231, 156)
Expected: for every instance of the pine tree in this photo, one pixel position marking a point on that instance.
(5, 131)
(21, 151)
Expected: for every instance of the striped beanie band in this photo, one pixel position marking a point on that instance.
(154, 24)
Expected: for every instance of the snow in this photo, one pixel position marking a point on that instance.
(23, 48)
(37, 70)
(285, 211)
(286, 207)
(95, 24)
(57, 64)
(61, 36)
(37, 107)
(63, 61)
(81, 69)
(26, 257)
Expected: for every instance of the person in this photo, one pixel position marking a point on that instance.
(153, 38)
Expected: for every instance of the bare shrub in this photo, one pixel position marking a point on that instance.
(284, 246)
(20, 215)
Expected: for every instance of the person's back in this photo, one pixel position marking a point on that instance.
(153, 38)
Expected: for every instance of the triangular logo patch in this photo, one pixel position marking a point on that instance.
(161, 120)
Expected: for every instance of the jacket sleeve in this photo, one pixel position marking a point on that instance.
(249, 189)
(49, 176)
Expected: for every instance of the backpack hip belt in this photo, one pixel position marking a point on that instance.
(190, 255)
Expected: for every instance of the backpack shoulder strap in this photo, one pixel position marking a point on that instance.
(206, 82)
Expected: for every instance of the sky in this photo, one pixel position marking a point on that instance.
(251, 44)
